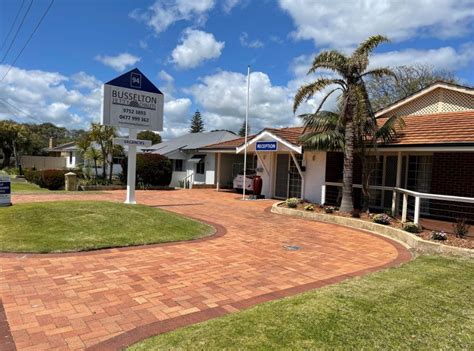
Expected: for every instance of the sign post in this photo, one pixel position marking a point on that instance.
(5, 191)
(132, 101)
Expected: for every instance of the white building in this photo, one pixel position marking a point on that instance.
(191, 164)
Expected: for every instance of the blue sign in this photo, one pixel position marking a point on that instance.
(135, 79)
(266, 146)
(5, 191)
(5, 188)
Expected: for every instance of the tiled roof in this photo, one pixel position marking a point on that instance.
(441, 128)
(290, 134)
(435, 129)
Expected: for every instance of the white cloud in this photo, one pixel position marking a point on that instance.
(41, 96)
(254, 44)
(84, 80)
(119, 62)
(223, 97)
(340, 24)
(446, 58)
(228, 5)
(163, 13)
(196, 46)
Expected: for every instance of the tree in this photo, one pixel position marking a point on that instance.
(197, 124)
(385, 90)
(242, 130)
(15, 140)
(356, 109)
(103, 136)
(95, 155)
(155, 138)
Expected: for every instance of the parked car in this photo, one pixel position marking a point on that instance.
(239, 180)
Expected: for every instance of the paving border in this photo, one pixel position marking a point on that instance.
(6, 338)
(414, 242)
(140, 333)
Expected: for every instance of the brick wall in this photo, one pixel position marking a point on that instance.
(453, 174)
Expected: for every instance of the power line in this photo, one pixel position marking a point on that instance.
(13, 25)
(17, 31)
(26, 114)
(26, 43)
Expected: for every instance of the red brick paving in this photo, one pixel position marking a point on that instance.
(109, 299)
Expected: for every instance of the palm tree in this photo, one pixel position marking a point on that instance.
(95, 155)
(103, 136)
(355, 104)
(327, 133)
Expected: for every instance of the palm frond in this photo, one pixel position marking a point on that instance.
(366, 47)
(332, 60)
(330, 140)
(388, 131)
(360, 57)
(307, 91)
(320, 122)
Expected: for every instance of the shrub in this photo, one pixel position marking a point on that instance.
(329, 209)
(309, 207)
(52, 179)
(439, 235)
(32, 175)
(152, 170)
(381, 218)
(11, 170)
(461, 227)
(355, 213)
(411, 227)
(292, 202)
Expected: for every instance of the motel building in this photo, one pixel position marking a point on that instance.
(426, 172)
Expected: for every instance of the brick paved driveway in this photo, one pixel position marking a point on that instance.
(111, 298)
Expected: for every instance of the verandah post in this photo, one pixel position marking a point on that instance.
(405, 207)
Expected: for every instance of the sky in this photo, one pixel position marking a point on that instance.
(197, 53)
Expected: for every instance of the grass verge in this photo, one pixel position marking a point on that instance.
(26, 188)
(425, 304)
(84, 225)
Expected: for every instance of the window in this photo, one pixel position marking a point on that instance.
(200, 167)
(178, 165)
(70, 157)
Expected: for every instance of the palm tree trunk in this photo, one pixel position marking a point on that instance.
(347, 204)
(95, 167)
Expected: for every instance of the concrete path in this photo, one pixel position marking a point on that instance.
(108, 299)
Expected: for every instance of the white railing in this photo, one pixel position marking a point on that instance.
(189, 177)
(418, 196)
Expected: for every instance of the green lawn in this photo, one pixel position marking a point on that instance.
(26, 188)
(82, 225)
(426, 304)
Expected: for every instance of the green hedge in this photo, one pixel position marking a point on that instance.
(52, 179)
(152, 169)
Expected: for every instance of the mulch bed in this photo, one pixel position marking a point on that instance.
(425, 234)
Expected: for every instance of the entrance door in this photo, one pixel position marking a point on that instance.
(281, 176)
(294, 184)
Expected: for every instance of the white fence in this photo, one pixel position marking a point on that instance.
(43, 162)
(452, 206)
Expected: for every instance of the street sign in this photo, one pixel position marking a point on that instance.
(128, 142)
(132, 101)
(266, 146)
(5, 191)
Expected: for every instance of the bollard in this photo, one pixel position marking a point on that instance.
(70, 181)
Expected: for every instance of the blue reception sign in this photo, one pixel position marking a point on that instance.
(266, 146)
(5, 191)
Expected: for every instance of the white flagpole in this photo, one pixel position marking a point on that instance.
(246, 130)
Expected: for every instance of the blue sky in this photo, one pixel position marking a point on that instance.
(197, 52)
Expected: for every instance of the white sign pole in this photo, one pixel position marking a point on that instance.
(246, 130)
(131, 168)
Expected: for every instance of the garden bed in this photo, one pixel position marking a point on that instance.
(452, 240)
